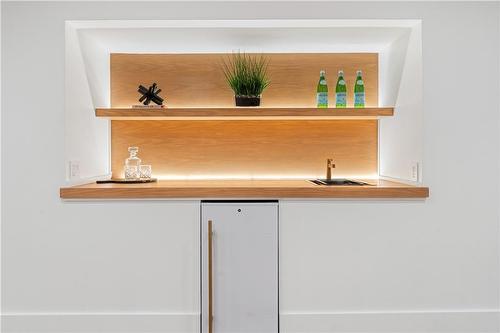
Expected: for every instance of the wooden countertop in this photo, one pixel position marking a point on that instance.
(216, 189)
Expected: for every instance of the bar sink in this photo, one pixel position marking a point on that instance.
(337, 182)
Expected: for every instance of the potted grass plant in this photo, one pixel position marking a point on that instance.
(247, 76)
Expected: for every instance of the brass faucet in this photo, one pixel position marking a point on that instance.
(329, 166)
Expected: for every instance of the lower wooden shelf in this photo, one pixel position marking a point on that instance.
(276, 189)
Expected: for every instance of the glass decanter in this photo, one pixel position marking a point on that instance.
(132, 164)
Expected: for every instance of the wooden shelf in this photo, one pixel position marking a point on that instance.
(242, 113)
(275, 189)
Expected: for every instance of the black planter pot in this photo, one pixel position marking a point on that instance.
(247, 101)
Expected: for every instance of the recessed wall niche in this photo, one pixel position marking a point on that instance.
(90, 43)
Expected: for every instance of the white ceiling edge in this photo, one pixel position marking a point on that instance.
(285, 23)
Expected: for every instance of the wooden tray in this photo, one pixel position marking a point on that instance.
(127, 181)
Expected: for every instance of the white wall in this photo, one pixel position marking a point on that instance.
(349, 266)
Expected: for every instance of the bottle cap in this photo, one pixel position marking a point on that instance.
(359, 72)
(341, 72)
(322, 72)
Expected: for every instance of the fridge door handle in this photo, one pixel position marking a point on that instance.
(210, 277)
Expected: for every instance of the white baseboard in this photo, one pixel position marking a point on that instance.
(392, 322)
(359, 322)
(101, 322)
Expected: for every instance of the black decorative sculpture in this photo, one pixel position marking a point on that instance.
(150, 94)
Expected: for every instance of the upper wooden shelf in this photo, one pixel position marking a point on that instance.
(242, 113)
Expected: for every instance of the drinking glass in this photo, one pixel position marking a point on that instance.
(145, 171)
(131, 172)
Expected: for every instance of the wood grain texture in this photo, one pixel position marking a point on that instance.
(246, 149)
(242, 113)
(190, 80)
(277, 189)
(263, 148)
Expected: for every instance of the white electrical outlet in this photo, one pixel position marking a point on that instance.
(414, 172)
(74, 169)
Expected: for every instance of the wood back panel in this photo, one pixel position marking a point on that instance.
(196, 80)
(250, 148)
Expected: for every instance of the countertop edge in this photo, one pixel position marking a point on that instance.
(396, 192)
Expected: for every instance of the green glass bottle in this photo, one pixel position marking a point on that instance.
(341, 91)
(322, 91)
(359, 91)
